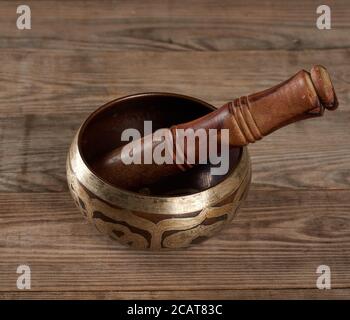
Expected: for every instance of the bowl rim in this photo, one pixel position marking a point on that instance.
(165, 205)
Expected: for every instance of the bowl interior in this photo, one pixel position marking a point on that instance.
(102, 131)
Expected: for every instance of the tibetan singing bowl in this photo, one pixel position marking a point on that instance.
(172, 213)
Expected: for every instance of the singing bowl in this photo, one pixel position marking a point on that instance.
(173, 213)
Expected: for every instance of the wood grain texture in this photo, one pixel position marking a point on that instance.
(34, 148)
(265, 294)
(159, 25)
(46, 81)
(81, 54)
(275, 243)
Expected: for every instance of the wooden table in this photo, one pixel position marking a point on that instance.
(79, 55)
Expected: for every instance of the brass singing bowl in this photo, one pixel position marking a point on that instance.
(173, 213)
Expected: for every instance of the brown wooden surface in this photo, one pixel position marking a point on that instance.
(80, 55)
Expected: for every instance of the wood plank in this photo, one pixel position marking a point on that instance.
(276, 242)
(190, 25)
(182, 295)
(47, 81)
(33, 151)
